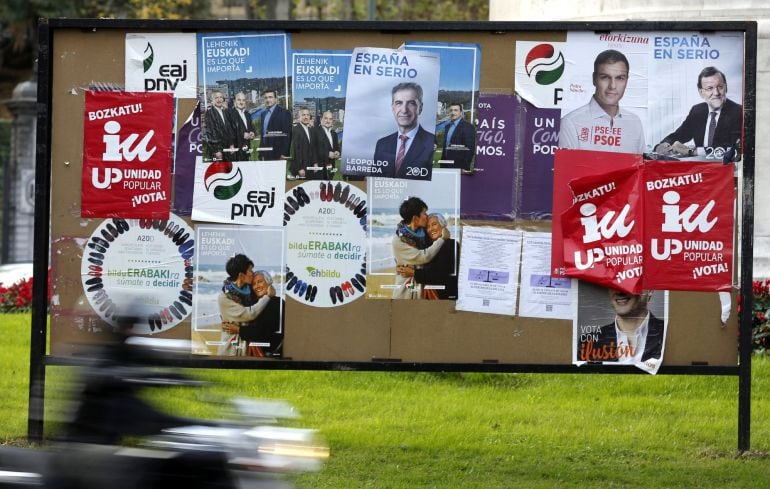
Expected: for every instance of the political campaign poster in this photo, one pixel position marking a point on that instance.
(569, 165)
(605, 105)
(413, 237)
(127, 140)
(162, 62)
(457, 96)
(489, 270)
(389, 118)
(186, 151)
(689, 219)
(326, 234)
(691, 75)
(540, 73)
(543, 296)
(243, 192)
(616, 328)
(244, 85)
(137, 274)
(603, 230)
(490, 193)
(540, 141)
(239, 306)
(319, 86)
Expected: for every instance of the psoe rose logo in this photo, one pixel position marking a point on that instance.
(544, 63)
(223, 180)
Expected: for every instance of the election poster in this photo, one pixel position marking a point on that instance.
(137, 274)
(245, 192)
(239, 306)
(457, 96)
(603, 230)
(540, 73)
(244, 85)
(569, 165)
(127, 140)
(186, 151)
(162, 62)
(617, 328)
(490, 193)
(413, 237)
(489, 270)
(540, 141)
(543, 296)
(390, 118)
(692, 75)
(326, 234)
(689, 219)
(605, 107)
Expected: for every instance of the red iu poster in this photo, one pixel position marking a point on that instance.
(127, 155)
(688, 226)
(603, 231)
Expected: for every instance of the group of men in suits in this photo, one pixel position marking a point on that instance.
(310, 151)
(229, 131)
(316, 149)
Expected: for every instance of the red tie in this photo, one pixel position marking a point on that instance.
(401, 151)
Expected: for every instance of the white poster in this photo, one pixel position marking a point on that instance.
(326, 255)
(162, 62)
(543, 296)
(138, 274)
(390, 116)
(251, 300)
(406, 220)
(489, 270)
(540, 68)
(245, 192)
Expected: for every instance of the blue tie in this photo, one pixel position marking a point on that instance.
(267, 121)
(449, 133)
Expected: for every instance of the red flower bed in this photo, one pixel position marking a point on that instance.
(17, 297)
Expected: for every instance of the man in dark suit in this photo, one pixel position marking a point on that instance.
(303, 155)
(327, 146)
(276, 129)
(241, 127)
(217, 131)
(715, 123)
(459, 140)
(635, 336)
(408, 151)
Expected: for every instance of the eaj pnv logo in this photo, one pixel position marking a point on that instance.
(223, 180)
(147, 61)
(545, 64)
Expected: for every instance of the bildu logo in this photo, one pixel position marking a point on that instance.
(595, 229)
(223, 180)
(129, 148)
(607, 227)
(675, 221)
(544, 63)
(147, 62)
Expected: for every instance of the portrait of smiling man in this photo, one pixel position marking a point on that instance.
(714, 123)
(602, 124)
(409, 150)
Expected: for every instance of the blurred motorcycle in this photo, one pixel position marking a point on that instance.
(249, 450)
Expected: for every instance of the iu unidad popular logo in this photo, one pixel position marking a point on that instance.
(545, 64)
(224, 180)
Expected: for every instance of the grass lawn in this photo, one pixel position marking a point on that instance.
(423, 430)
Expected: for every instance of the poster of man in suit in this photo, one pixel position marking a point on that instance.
(390, 116)
(249, 70)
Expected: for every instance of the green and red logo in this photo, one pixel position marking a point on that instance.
(544, 63)
(223, 180)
